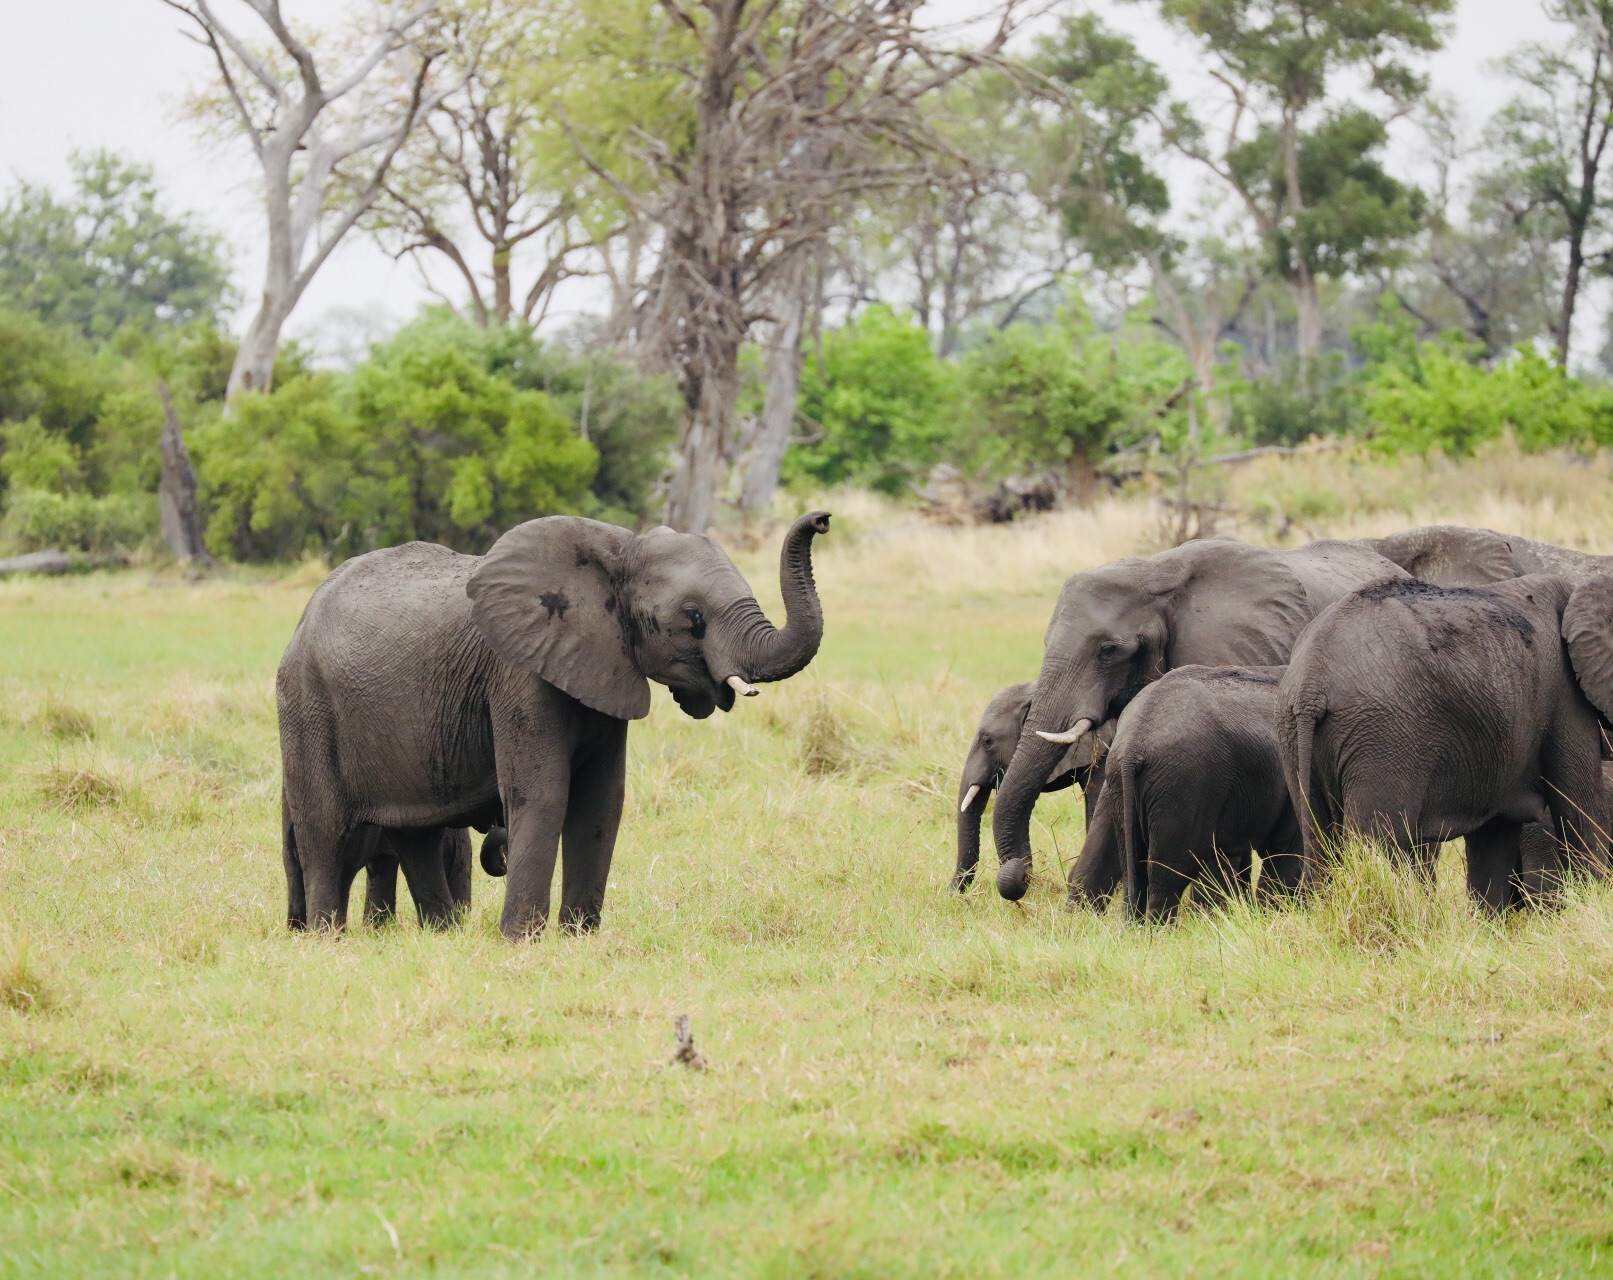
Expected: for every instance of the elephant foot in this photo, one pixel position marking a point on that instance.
(1013, 878)
(962, 880)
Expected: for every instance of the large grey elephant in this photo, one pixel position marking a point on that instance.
(1197, 783)
(991, 750)
(1117, 628)
(426, 690)
(1418, 713)
(1450, 555)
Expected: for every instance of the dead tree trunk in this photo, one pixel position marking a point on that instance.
(176, 494)
(796, 303)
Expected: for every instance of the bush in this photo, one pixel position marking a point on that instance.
(876, 399)
(38, 520)
(1295, 401)
(1057, 398)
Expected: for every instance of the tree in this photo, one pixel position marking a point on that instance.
(794, 108)
(1552, 140)
(324, 138)
(486, 175)
(1276, 61)
(110, 256)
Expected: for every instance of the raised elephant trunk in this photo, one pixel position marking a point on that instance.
(759, 651)
(1034, 760)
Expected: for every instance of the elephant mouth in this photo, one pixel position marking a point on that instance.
(700, 700)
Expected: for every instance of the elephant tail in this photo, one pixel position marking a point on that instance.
(1133, 839)
(296, 898)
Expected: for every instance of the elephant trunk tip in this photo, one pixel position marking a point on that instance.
(1013, 878)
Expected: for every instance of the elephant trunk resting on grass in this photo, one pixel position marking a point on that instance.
(427, 690)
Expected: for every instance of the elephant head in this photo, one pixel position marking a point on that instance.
(990, 754)
(1118, 628)
(1450, 555)
(598, 612)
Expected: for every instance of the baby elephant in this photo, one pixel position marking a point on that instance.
(1197, 780)
(989, 755)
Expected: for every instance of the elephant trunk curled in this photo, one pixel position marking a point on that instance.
(751, 646)
(1034, 760)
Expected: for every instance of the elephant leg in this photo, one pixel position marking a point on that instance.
(535, 782)
(331, 856)
(381, 885)
(296, 895)
(420, 852)
(456, 864)
(593, 816)
(1493, 863)
(1282, 860)
(1226, 875)
(1092, 788)
(1098, 870)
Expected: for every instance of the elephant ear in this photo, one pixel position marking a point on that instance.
(1449, 555)
(1588, 628)
(1231, 604)
(544, 600)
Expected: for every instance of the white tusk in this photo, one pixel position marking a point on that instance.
(969, 798)
(741, 688)
(1070, 736)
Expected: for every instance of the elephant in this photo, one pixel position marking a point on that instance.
(1117, 628)
(452, 856)
(1458, 556)
(426, 689)
(1198, 786)
(1416, 713)
(989, 754)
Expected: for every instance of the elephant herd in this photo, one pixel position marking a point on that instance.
(1214, 702)
(1220, 700)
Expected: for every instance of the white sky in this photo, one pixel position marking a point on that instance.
(109, 73)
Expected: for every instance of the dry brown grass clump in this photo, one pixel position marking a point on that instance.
(23, 985)
(66, 787)
(65, 720)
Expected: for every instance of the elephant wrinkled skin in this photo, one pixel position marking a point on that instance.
(1417, 713)
(426, 690)
(1196, 781)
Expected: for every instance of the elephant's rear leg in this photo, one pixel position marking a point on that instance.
(1494, 859)
(381, 886)
(296, 895)
(421, 853)
(330, 857)
(456, 864)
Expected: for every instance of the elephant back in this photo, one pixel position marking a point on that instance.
(1331, 569)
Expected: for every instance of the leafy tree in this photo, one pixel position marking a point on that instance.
(1277, 61)
(1551, 141)
(1056, 398)
(109, 256)
(876, 398)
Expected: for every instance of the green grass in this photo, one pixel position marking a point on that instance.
(901, 1082)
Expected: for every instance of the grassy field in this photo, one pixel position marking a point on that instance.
(901, 1082)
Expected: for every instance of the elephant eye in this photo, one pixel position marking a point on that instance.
(985, 742)
(697, 623)
(1108, 649)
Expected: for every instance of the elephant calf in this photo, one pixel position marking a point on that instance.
(1195, 786)
(426, 691)
(989, 755)
(1414, 713)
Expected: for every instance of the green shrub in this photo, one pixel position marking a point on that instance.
(876, 401)
(37, 520)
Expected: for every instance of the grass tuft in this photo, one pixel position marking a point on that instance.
(826, 743)
(23, 986)
(65, 721)
(1375, 903)
(67, 787)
